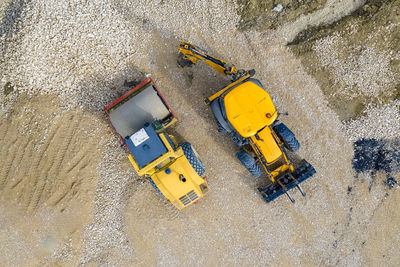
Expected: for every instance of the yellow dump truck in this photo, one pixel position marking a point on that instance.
(245, 111)
(140, 118)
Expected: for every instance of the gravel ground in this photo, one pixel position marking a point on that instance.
(366, 74)
(84, 51)
(356, 59)
(378, 123)
(106, 232)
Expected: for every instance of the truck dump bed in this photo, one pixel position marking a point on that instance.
(138, 107)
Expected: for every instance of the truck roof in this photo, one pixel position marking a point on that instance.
(145, 146)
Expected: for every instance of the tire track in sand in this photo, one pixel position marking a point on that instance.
(50, 164)
(56, 152)
(6, 145)
(40, 159)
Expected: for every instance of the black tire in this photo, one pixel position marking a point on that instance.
(249, 162)
(193, 158)
(287, 137)
(184, 62)
(155, 187)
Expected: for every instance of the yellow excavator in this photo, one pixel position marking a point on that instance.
(245, 111)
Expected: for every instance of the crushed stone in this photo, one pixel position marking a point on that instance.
(84, 51)
(377, 123)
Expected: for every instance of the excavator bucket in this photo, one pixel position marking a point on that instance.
(282, 186)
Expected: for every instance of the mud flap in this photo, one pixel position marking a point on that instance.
(287, 182)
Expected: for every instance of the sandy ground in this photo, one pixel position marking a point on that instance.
(69, 195)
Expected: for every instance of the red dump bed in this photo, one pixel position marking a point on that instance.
(138, 107)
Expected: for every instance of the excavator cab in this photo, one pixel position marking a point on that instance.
(249, 107)
(245, 111)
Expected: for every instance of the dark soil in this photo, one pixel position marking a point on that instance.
(371, 155)
(8, 88)
(259, 14)
(375, 24)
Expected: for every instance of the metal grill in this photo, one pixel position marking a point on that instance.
(189, 198)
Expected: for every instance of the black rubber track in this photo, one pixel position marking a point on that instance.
(190, 154)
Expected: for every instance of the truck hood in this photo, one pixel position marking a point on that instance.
(179, 182)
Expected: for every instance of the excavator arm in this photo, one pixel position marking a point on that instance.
(190, 54)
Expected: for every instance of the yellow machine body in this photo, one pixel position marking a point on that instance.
(245, 111)
(183, 193)
(267, 145)
(249, 108)
(154, 153)
(179, 193)
(250, 111)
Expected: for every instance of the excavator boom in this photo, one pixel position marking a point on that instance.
(190, 54)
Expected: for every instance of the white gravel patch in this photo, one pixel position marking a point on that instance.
(365, 72)
(378, 123)
(75, 49)
(106, 233)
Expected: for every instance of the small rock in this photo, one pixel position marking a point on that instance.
(278, 8)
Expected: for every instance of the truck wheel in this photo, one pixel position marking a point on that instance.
(193, 158)
(249, 162)
(155, 187)
(287, 137)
